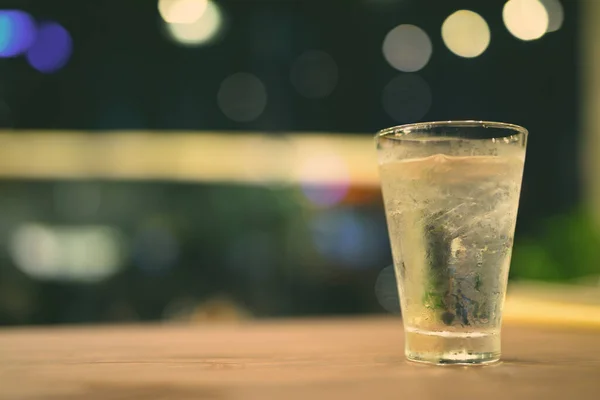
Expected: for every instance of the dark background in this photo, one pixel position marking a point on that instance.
(264, 250)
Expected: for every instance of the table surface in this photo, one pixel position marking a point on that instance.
(287, 359)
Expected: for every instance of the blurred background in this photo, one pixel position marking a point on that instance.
(197, 160)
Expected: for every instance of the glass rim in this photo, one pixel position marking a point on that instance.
(406, 129)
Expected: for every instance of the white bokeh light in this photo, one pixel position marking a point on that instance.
(326, 164)
(407, 98)
(201, 31)
(466, 33)
(556, 14)
(407, 48)
(72, 253)
(314, 74)
(525, 19)
(181, 11)
(242, 97)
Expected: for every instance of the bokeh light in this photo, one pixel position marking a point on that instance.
(466, 33)
(324, 195)
(242, 97)
(525, 19)
(324, 163)
(347, 237)
(407, 98)
(203, 30)
(407, 48)
(17, 32)
(72, 253)
(314, 74)
(181, 11)
(52, 48)
(556, 14)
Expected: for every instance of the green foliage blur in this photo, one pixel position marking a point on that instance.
(564, 248)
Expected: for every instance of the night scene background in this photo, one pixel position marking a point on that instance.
(194, 160)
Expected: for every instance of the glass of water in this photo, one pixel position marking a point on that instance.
(451, 192)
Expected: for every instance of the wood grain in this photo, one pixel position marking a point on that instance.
(299, 359)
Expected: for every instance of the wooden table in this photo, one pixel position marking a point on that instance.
(299, 359)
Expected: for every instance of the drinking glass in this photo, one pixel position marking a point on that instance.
(451, 193)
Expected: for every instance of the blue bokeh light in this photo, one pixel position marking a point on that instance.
(52, 48)
(17, 32)
(348, 237)
(325, 195)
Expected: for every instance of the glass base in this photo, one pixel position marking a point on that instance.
(447, 348)
(454, 358)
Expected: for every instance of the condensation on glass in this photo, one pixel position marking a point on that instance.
(451, 192)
